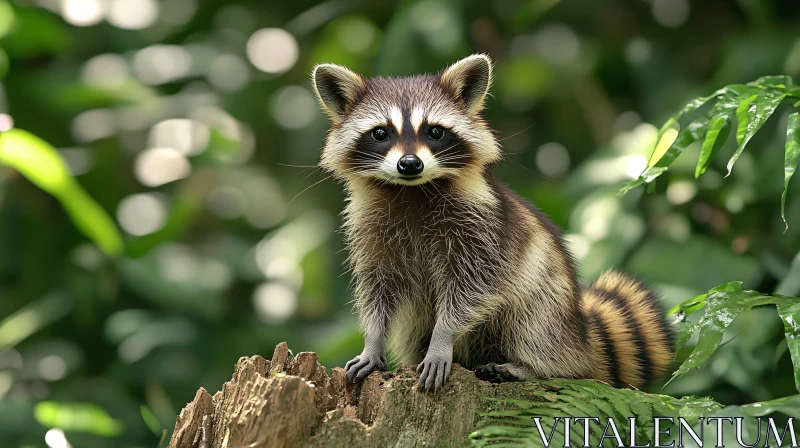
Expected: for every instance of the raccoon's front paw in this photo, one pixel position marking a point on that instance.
(362, 365)
(434, 371)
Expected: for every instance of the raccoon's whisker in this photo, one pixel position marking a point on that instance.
(297, 166)
(532, 172)
(310, 186)
(514, 134)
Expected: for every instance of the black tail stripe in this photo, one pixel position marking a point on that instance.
(661, 317)
(597, 321)
(637, 334)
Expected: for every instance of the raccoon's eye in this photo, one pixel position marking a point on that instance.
(380, 134)
(436, 133)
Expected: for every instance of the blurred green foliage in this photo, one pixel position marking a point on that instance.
(191, 124)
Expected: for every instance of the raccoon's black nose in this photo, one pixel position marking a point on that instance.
(409, 165)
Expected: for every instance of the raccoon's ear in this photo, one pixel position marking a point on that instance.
(336, 88)
(469, 81)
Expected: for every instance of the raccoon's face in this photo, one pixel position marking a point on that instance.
(407, 131)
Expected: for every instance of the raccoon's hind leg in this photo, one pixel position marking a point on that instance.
(501, 373)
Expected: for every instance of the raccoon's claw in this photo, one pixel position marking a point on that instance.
(433, 372)
(362, 365)
(494, 373)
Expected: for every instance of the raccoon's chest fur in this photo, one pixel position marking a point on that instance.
(426, 235)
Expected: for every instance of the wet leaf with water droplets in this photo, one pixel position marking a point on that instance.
(752, 113)
(791, 156)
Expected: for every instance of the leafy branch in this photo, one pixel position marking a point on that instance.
(750, 104)
(722, 305)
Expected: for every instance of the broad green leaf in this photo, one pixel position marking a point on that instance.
(78, 417)
(752, 113)
(789, 311)
(722, 305)
(718, 129)
(788, 405)
(685, 334)
(790, 158)
(743, 117)
(42, 165)
(780, 81)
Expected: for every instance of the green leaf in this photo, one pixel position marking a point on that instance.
(751, 116)
(78, 417)
(789, 311)
(42, 165)
(150, 420)
(780, 81)
(31, 318)
(790, 158)
(686, 137)
(718, 129)
(722, 305)
(510, 421)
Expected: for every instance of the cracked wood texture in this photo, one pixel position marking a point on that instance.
(292, 402)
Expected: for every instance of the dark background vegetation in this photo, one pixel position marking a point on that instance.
(192, 123)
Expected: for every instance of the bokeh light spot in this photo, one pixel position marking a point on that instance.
(159, 64)
(178, 12)
(681, 191)
(158, 166)
(188, 136)
(142, 214)
(638, 51)
(670, 13)
(552, 159)
(274, 302)
(293, 107)
(93, 125)
(55, 438)
(228, 72)
(272, 50)
(132, 14)
(6, 122)
(105, 70)
(52, 368)
(557, 44)
(83, 12)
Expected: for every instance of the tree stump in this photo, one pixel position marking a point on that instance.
(292, 402)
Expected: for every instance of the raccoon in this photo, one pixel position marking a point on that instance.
(452, 266)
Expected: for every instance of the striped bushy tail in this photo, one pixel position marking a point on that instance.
(630, 339)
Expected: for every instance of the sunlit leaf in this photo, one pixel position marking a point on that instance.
(791, 156)
(718, 129)
(6, 19)
(78, 417)
(751, 116)
(686, 137)
(43, 165)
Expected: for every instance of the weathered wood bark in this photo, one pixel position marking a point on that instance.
(293, 402)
